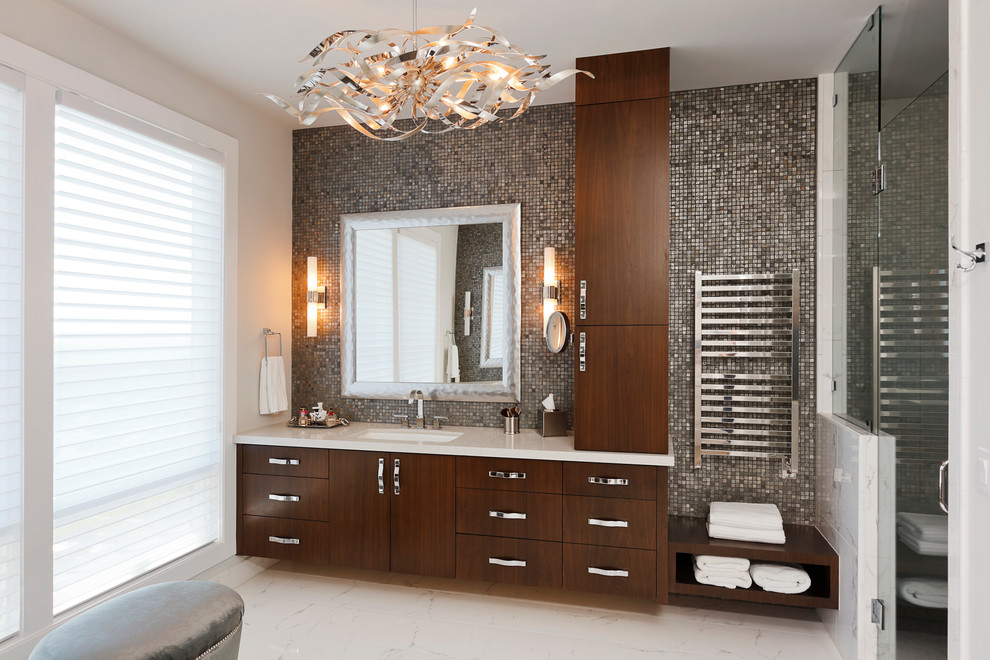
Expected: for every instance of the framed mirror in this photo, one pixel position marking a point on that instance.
(404, 280)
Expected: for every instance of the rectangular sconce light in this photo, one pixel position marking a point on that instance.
(551, 285)
(316, 297)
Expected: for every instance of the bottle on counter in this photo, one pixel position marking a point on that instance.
(303, 417)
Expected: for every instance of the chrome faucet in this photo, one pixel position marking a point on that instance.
(417, 396)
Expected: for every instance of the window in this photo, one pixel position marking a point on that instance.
(11, 313)
(138, 321)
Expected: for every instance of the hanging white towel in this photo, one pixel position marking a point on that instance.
(781, 578)
(926, 592)
(453, 364)
(271, 392)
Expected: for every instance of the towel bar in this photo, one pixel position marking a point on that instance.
(268, 333)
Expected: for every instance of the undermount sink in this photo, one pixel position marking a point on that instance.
(409, 435)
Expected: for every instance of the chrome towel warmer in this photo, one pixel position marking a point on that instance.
(746, 366)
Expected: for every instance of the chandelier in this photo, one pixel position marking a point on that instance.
(441, 77)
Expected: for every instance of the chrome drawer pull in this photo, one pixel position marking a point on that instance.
(381, 476)
(608, 523)
(283, 498)
(284, 540)
(506, 475)
(395, 478)
(507, 516)
(507, 562)
(606, 481)
(608, 572)
(283, 461)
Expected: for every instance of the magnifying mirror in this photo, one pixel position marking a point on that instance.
(557, 332)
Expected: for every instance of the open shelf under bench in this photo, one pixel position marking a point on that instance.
(805, 546)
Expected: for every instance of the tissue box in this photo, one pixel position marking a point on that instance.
(552, 423)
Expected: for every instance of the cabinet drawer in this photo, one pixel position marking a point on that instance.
(508, 474)
(637, 482)
(618, 571)
(502, 513)
(510, 561)
(286, 497)
(608, 521)
(278, 538)
(285, 461)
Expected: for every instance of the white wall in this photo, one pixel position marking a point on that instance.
(265, 169)
(969, 320)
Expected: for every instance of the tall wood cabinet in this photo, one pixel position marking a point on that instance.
(622, 252)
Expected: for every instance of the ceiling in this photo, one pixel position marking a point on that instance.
(252, 46)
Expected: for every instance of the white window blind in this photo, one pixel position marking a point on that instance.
(375, 313)
(11, 313)
(138, 323)
(417, 287)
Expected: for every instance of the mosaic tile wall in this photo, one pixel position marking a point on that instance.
(742, 200)
(336, 170)
(478, 247)
(743, 166)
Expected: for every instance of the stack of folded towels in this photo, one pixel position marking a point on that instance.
(926, 592)
(925, 533)
(781, 578)
(728, 572)
(739, 521)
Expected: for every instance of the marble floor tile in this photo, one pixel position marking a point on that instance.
(296, 611)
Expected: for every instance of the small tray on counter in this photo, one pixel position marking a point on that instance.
(328, 424)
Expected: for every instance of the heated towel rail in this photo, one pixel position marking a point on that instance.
(746, 366)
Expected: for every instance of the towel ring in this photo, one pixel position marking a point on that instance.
(268, 332)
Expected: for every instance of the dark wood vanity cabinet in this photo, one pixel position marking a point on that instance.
(584, 526)
(622, 252)
(392, 512)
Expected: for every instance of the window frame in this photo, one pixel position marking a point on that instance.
(44, 77)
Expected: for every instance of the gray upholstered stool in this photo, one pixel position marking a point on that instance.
(170, 621)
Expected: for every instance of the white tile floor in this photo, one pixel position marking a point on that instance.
(297, 611)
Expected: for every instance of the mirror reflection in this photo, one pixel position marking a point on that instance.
(411, 285)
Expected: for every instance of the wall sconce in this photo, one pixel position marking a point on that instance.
(316, 297)
(551, 285)
(468, 311)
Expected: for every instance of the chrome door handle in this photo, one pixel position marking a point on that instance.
(582, 345)
(608, 523)
(608, 572)
(283, 461)
(284, 540)
(942, 500)
(395, 478)
(583, 299)
(607, 481)
(506, 475)
(507, 562)
(381, 476)
(283, 498)
(506, 516)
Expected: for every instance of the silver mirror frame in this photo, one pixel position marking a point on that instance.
(509, 215)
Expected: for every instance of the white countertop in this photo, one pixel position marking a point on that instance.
(473, 441)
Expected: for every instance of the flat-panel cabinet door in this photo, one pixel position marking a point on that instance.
(359, 509)
(423, 521)
(620, 399)
(622, 212)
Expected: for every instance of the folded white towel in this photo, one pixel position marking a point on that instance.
(925, 526)
(740, 534)
(921, 546)
(781, 578)
(926, 592)
(715, 563)
(453, 364)
(271, 392)
(745, 515)
(727, 579)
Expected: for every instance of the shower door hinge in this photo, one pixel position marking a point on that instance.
(876, 612)
(879, 179)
